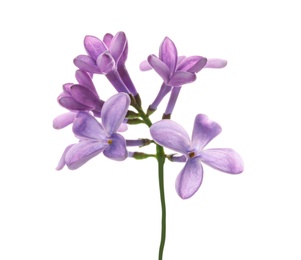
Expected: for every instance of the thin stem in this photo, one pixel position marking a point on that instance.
(161, 160)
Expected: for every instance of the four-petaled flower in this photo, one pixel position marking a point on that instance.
(95, 138)
(173, 136)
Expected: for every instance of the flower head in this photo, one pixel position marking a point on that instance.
(173, 136)
(95, 138)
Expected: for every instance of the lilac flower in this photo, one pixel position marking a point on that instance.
(108, 57)
(95, 138)
(176, 71)
(78, 97)
(173, 136)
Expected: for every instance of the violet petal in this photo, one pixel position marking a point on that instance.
(168, 54)
(204, 130)
(180, 78)
(171, 135)
(160, 67)
(192, 64)
(190, 178)
(223, 159)
(216, 63)
(107, 39)
(86, 63)
(63, 120)
(82, 152)
(85, 96)
(116, 150)
(83, 78)
(118, 45)
(70, 103)
(94, 46)
(114, 111)
(106, 63)
(62, 163)
(86, 126)
(144, 66)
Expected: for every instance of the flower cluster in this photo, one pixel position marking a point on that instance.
(97, 124)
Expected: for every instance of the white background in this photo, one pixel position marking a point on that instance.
(111, 210)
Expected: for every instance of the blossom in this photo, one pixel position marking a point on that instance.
(173, 136)
(108, 57)
(95, 138)
(78, 97)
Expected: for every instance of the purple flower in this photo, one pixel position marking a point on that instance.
(95, 138)
(108, 57)
(173, 136)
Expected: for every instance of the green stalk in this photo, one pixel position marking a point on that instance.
(161, 160)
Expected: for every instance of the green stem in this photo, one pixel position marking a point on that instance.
(160, 155)
(161, 160)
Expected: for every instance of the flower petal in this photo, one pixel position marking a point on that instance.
(86, 96)
(94, 46)
(86, 126)
(83, 78)
(144, 66)
(61, 163)
(70, 103)
(168, 54)
(192, 64)
(216, 63)
(159, 66)
(114, 111)
(190, 178)
(82, 152)
(117, 148)
(107, 39)
(118, 45)
(171, 135)
(223, 159)
(204, 131)
(180, 78)
(63, 120)
(86, 63)
(105, 63)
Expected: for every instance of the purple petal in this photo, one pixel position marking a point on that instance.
(117, 148)
(180, 78)
(124, 55)
(204, 130)
(144, 66)
(114, 111)
(82, 152)
(86, 96)
(66, 87)
(223, 159)
(63, 120)
(86, 126)
(105, 63)
(190, 178)
(94, 46)
(168, 54)
(171, 135)
(118, 45)
(70, 103)
(159, 66)
(216, 63)
(86, 63)
(61, 163)
(107, 39)
(83, 78)
(192, 64)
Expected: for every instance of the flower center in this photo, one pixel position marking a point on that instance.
(191, 154)
(110, 141)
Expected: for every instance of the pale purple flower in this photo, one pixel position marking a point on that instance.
(173, 136)
(175, 71)
(108, 57)
(95, 138)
